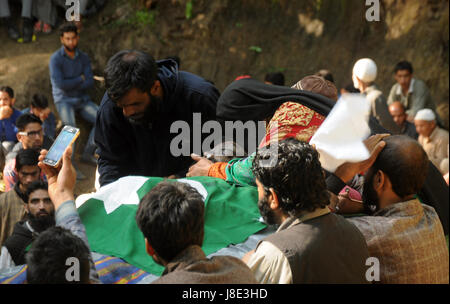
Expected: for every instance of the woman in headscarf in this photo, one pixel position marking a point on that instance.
(292, 112)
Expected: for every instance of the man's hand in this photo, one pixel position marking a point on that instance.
(374, 144)
(247, 256)
(61, 181)
(83, 77)
(201, 168)
(5, 112)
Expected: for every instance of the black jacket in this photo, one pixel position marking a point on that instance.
(125, 149)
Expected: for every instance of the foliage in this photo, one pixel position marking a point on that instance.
(255, 48)
(189, 7)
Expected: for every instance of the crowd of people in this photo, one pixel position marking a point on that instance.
(397, 197)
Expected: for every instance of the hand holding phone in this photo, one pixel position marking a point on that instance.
(66, 137)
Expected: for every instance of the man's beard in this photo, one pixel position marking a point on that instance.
(42, 222)
(371, 202)
(149, 115)
(267, 213)
(71, 50)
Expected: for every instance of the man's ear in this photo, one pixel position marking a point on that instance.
(13, 101)
(380, 180)
(273, 199)
(156, 89)
(19, 137)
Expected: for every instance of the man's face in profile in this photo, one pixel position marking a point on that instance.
(138, 107)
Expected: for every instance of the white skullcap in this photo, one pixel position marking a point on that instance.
(425, 114)
(365, 69)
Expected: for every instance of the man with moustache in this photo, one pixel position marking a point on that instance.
(311, 245)
(12, 203)
(40, 216)
(144, 97)
(71, 77)
(405, 235)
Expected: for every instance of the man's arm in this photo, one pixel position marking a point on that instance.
(113, 145)
(391, 97)
(61, 184)
(58, 79)
(88, 75)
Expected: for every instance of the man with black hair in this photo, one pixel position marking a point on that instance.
(405, 235)
(311, 244)
(171, 217)
(40, 216)
(39, 107)
(71, 77)
(8, 116)
(411, 92)
(30, 136)
(143, 98)
(51, 255)
(276, 78)
(12, 203)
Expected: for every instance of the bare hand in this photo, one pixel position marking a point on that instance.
(61, 180)
(374, 144)
(201, 168)
(6, 112)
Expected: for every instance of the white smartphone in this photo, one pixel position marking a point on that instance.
(65, 138)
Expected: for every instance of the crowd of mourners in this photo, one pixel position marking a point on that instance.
(392, 206)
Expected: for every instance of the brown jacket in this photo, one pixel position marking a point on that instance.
(193, 267)
(12, 210)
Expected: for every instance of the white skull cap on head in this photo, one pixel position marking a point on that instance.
(425, 114)
(365, 69)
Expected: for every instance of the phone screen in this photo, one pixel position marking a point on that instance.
(59, 146)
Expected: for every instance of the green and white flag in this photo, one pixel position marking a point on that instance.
(231, 216)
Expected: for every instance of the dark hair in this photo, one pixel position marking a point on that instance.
(326, 75)
(36, 185)
(49, 253)
(297, 176)
(405, 162)
(129, 69)
(403, 65)
(23, 120)
(275, 78)
(351, 88)
(8, 90)
(171, 217)
(26, 157)
(39, 101)
(68, 27)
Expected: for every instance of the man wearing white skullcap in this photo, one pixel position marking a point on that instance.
(433, 139)
(364, 75)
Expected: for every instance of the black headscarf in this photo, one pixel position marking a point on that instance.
(251, 100)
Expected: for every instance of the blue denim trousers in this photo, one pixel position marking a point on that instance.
(88, 111)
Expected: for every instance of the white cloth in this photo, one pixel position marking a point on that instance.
(6, 260)
(269, 265)
(340, 137)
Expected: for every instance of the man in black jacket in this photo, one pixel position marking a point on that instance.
(143, 98)
(40, 216)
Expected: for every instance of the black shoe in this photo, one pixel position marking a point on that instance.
(27, 30)
(13, 33)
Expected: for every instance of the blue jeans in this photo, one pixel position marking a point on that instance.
(87, 109)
